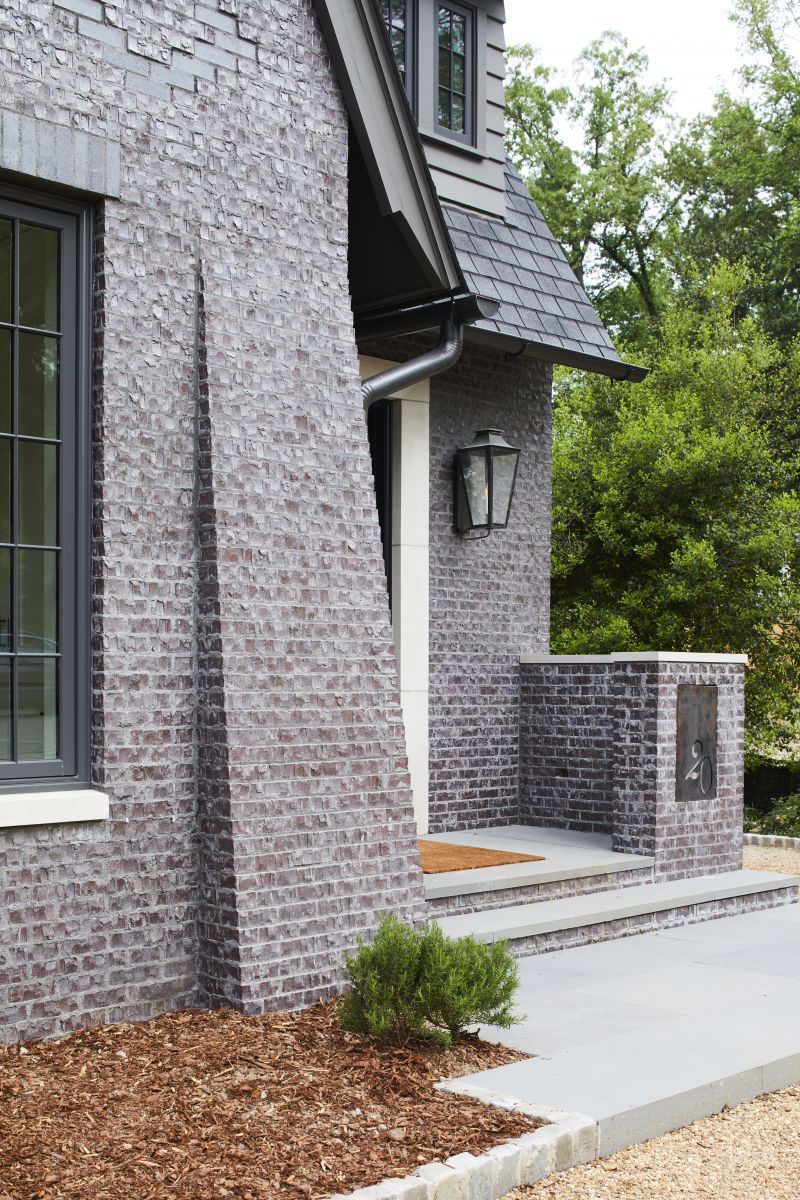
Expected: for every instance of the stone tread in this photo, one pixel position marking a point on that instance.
(495, 879)
(574, 912)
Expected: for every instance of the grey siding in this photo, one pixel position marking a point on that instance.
(471, 178)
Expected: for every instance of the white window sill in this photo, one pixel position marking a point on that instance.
(51, 808)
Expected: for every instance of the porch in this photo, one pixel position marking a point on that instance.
(582, 891)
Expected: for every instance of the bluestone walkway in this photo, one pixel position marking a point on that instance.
(647, 1033)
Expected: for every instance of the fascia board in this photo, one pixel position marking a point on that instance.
(386, 133)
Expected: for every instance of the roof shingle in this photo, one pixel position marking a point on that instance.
(519, 262)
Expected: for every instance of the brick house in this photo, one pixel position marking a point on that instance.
(223, 224)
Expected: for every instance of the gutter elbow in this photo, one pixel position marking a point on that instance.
(425, 366)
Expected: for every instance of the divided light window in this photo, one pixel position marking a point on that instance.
(43, 508)
(397, 18)
(454, 74)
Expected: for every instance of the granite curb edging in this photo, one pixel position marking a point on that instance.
(772, 839)
(565, 1140)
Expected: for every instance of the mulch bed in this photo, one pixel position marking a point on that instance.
(195, 1105)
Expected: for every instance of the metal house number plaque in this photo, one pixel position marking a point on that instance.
(696, 777)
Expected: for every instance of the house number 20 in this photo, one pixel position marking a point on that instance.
(701, 771)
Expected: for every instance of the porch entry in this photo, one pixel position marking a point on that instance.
(399, 439)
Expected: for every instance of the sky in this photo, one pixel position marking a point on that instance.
(689, 42)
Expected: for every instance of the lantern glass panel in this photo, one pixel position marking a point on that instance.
(474, 468)
(504, 469)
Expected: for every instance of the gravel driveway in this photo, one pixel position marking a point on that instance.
(772, 858)
(747, 1153)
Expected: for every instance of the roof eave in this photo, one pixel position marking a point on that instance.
(613, 368)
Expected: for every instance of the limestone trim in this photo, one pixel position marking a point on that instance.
(410, 570)
(643, 656)
(52, 808)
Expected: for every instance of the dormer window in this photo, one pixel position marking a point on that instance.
(397, 17)
(437, 45)
(454, 85)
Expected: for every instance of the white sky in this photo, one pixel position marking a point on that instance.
(691, 43)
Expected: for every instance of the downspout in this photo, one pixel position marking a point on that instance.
(402, 376)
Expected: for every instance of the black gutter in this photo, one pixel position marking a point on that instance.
(464, 309)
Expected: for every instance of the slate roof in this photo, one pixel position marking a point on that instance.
(518, 262)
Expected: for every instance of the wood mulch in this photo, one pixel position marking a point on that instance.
(195, 1105)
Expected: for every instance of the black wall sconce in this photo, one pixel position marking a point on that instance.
(484, 474)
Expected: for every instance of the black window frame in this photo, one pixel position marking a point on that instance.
(71, 768)
(467, 138)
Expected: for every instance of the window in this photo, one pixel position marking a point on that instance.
(454, 71)
(44, 479)
(397, 17)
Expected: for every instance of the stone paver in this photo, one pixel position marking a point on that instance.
(648, 1033)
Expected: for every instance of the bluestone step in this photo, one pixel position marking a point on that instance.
(549, 917)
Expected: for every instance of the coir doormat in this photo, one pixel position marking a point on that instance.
(447, 856)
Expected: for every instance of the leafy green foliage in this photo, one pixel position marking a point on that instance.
(676, 511)
(410, 983)
(783, 819)
(676, 524)
(613, 200)
(464, 982)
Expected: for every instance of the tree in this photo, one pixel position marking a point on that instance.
(675, 523)
(742, 169)
(614, 201)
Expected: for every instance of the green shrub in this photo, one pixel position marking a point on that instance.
(410, 983)
(465, 982)
(782, 819)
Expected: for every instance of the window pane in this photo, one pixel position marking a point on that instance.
(459, 74)
(459, 36)
(36, 697)
(5, 600)
(444, 26)
(38, 385)
(399, 47)
(504, 468)
(444, 69)
(457, 118)
(5, 380)
(5, 709)
(476, 485)
(5, 489)
(5, 271)
(386, 11)
(37, 492)
(37, 629)
(38, 276)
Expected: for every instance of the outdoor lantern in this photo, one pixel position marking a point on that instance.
(483, 475)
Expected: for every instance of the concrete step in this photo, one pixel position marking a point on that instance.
(543, 925)
(449, 896)
(572, 863)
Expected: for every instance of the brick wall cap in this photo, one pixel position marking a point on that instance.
(648, 656)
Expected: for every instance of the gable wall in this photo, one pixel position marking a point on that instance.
(246, 712)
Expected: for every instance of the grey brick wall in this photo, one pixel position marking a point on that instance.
(246, 716)
(489, 598)
(598, 753)
(567, 745)
(687, 838)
